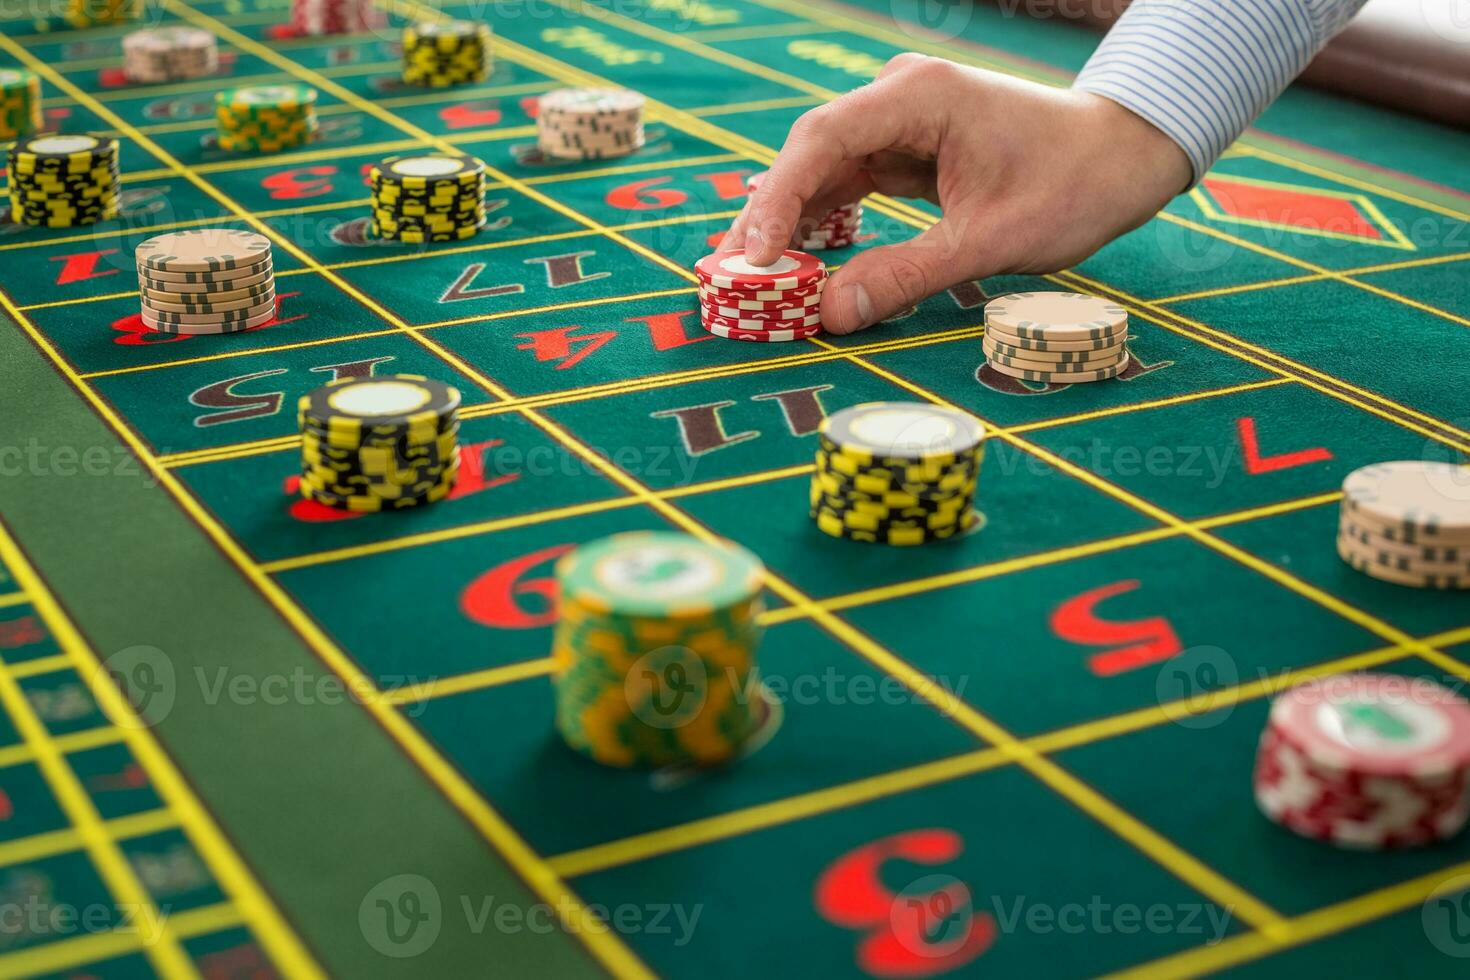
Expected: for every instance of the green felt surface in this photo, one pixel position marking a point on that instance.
(966, 715)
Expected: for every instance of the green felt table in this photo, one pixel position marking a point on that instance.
(336, 752)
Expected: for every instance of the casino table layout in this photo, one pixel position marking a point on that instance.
(246, 735)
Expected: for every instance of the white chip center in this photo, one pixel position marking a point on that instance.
(380, 398)
(427, 166)
(737, 265)
(659, 570)
(62, 144)
(268, 93)
(898, 429)
(1401, 728)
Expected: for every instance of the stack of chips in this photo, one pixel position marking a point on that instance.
(444, 53)
(210, 281)
(900, 473)
(655, 650)
(379, 443)
(1408, 522)
(590, 123)
(838, 229)
(765, 304)
(20, 103)
(1367, 761)
(1056, 338)
(60, 181)
(169, 54)
(265, 118)
(314, 17)
(428, 197)
(96, 13)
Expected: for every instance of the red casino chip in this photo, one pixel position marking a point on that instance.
(762, 336)
(775, 316)
(707, 318)
(806, 294)
(730, 270)
(806, 301)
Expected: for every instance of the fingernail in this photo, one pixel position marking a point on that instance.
(862, 307)
(754, 241)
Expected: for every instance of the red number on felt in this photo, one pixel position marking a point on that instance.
(851, 894)
(640, 195)
(293, 185)
(491, 599)
(1148, 641)
(471, 114)
(727, 185)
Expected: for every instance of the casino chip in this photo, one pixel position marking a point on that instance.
(781, 302)
(589, 123)
(317, 17)
(61, 181)
(1055, 338)
(443, 53)
(265, 118)
(900, 473)
(655, 649)
(20, 103)
(96, 13)
(840, 228)
(209, 281)
(379, 443)
(1367, 761)
(427, 197)
(169, 54)
(1408, 522)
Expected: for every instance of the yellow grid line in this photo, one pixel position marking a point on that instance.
(763, 816)
(90, 738)
(69, 954)
(66, 840)
(491, 825)
(229, 871)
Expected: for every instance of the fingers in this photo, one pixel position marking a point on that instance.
(825, 140)
(885, 281)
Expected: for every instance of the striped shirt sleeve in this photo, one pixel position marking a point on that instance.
(1202, 70)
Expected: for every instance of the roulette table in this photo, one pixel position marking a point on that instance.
(246, 734)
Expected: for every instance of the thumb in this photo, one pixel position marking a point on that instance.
(884, 281)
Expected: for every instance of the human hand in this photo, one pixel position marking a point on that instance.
(1030, 178)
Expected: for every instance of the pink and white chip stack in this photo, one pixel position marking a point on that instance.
(1367, 761)
(839, 229)
(765, 304)
(316, 17)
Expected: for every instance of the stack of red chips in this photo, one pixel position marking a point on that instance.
(779, 302)
(313, 17)
(1367, 761)
(839, 229)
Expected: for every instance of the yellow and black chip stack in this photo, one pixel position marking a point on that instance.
(61, 181)
(428, 197)
(900, 473)
(95, 13)
(444, 53)
(265, 118)
(381, 443)
(655, 650)
(20, 103)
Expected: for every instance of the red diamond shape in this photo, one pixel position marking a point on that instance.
(1291, 208)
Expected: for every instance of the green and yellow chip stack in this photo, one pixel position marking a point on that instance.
(899, 473)
(655, 650)
(20, 103)
(427, 197)
(61, 181)
(444, 53)
(379, 443)
(265, 118)
(97, 13)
